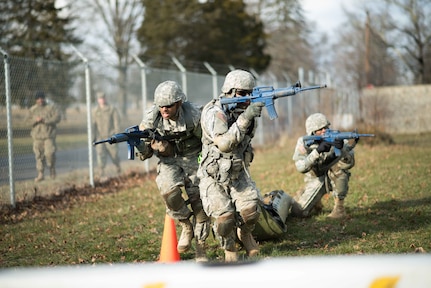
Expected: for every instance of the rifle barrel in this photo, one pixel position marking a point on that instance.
(101, 141)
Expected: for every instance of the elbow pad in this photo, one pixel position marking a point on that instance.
(223, 143)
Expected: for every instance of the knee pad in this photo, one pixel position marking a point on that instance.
(250, 214)
(225, 224)
(173, 199)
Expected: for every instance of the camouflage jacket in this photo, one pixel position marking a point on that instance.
(106, 121)
(308, 159)
(184, 134)
(47, 128)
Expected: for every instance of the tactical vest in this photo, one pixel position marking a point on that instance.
(184, 142)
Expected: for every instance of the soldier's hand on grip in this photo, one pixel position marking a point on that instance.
(324, 147)
(339, 143)
(253, 110)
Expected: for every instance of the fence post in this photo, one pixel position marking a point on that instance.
(289, 105)
(9, 127)
(88, 100)
(183, 74)
(214, 78)
(144, 97)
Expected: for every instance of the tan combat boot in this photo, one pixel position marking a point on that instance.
(338, 212)
(230, 256)
(249, 243)
(39, 177)
(201, 255)
(185, 240)
(230, 251)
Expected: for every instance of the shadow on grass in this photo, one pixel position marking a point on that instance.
(395, 215)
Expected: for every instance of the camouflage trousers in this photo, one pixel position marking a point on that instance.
(336, 182)
(233, 196)
(103, 151)
(181, 172)
(44, 152)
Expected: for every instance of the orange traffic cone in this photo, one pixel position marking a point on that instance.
(169, 252)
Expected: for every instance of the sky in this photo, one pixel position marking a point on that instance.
(327, 14)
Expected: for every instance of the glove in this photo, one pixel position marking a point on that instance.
(324, 147)
(339, 143)
(163, 147)
(253, 110)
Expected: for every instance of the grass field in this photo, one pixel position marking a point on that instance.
(389, 207)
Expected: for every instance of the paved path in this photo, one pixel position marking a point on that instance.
(67, 161)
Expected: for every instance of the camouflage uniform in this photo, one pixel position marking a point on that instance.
(323, 172)
(178, 162)
(106, 122)
(227, 191)
(44, 118)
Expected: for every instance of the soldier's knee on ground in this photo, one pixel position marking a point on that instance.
(173, 199)
(297, 210)
(250, 214)
(225, 224)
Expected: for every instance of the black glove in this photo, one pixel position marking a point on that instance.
(324, 147)
(339, 143)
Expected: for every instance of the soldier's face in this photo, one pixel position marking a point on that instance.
(40, 101)
(321, 131)
(242, 93)
(170, 112)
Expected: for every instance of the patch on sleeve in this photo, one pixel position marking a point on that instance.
(302, 149)
(220, 115)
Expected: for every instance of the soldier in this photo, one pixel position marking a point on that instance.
(106, 122)
(178, 121)
(323, 171)
(228, 193)
(44, 118)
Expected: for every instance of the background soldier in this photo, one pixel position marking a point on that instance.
(106, 122)
(179, 121)
(323, 170)
(44, 118)
(227, 191)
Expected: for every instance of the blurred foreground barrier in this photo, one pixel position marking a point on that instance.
(326, 271)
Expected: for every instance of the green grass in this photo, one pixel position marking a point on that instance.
(389, 207)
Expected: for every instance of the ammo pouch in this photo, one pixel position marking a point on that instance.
(222, 166)
(272, 221)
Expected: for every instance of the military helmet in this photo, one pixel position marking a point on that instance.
(39, 94)
(168, 93)
(315, 122)
(238, 79)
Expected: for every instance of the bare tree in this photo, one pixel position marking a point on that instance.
(410, 22)
(120, 19)
(288, 42)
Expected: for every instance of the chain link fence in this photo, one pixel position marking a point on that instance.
(73, 86)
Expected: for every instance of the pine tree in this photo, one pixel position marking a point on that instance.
(33, 34)
(216, 31)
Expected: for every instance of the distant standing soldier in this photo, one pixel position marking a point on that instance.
(106, 122)
(44, 118)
